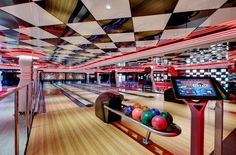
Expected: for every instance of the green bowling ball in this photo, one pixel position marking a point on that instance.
(146, 118)
(167, 116)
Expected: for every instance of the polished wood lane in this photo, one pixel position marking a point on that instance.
(181, 144)
(66, 129)
(58, 102)
(85, 94)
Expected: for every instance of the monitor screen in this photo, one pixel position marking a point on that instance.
(195, 88)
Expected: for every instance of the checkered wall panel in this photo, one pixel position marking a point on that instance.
(220, 74)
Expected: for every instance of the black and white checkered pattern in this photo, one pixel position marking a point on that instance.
(88, 30)
(213, 53)
(220, 74)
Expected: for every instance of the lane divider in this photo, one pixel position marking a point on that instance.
(80, 101)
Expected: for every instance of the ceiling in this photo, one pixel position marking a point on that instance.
(213, 53)
(73, 32)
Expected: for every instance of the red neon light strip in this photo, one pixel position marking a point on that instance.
(203, 39)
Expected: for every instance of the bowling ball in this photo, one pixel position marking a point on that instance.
(137, 105)
(168, 117)
(137, 113)
(128, 110)
(145, 108)
(159, 123)
(154, 112)
(146, 118)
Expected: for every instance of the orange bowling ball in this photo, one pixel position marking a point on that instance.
(137, 113)
(137, 105)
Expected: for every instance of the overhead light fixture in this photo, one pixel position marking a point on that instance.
(108, 7)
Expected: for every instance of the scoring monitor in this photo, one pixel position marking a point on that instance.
(195, 88)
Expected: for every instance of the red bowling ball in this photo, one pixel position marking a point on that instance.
(137, 113)
(159, 123)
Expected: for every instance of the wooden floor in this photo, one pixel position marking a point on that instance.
(66, 129)
(69, 129)
(179, 145)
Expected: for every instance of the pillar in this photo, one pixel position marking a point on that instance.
(87, 77)
(117, 79)
(25, 63)
(98, 78)
(152, 80)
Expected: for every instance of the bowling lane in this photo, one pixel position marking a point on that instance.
(50, 90)
(99, 89)
(140, 93)
(92, 96)
(156, 102)
(61, 102)
(85, 94)
(181, 114)
(177, 109)
(69, 129)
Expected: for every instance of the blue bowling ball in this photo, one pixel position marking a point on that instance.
(128, 110)
(154, 112)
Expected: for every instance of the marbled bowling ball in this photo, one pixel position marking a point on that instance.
(159, 123)
(145, 108)
(137, 113)
(168, 117)
(137, 105)
(154, 112)
(128, 110)
(147, 118)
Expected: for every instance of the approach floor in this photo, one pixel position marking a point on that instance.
(65, 125)
(66, 129)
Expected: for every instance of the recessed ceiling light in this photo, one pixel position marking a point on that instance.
(108, 6)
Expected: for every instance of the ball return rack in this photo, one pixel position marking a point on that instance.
(173, 129)
(108, 108)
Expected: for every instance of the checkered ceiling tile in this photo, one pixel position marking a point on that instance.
(146, 43)
(107, 45)
(69, 47)
(212, 53)
(35, 32)
(97, 28)
(127, 49)
(5, 39)
(87, 28)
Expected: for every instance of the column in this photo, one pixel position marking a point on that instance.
(25, 63)
(98, 78)
(152, 80)
(117, 79)
(87, 77)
